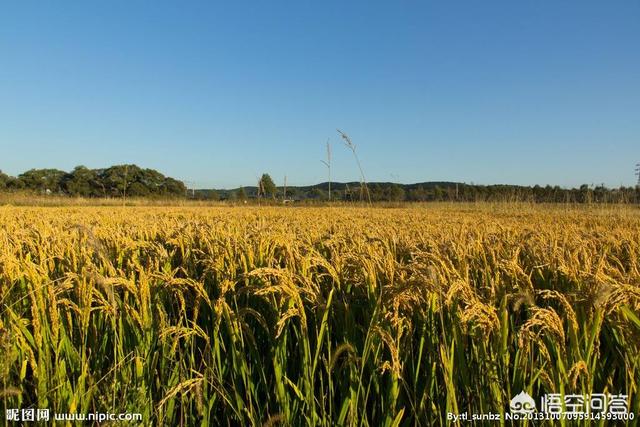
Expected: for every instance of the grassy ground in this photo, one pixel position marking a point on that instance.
(316, 316)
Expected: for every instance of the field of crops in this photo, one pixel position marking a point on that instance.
(315, 316)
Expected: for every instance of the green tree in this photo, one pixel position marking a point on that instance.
(43, 179)
(418, 194)
(4, 180)
(241, 194)
(206, 195)
(117, 178)
(268, 187)
(137, 189)
(151, 179)
(438, 193)
(318, 194)
(173, 187)
(80, 182)
(585, 193)
(395, 193)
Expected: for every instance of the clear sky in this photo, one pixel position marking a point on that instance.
(520, 92)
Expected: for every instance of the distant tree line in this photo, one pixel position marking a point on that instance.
(432, 191)
(115, 181)
(536, 194)
(499, 193)
(133, 181)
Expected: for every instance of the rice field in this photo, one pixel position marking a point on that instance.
(316, 316)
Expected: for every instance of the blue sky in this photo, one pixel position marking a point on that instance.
(519, 92)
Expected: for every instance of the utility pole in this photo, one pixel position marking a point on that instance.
(284, 199)
(192, 187)
(638, 174)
